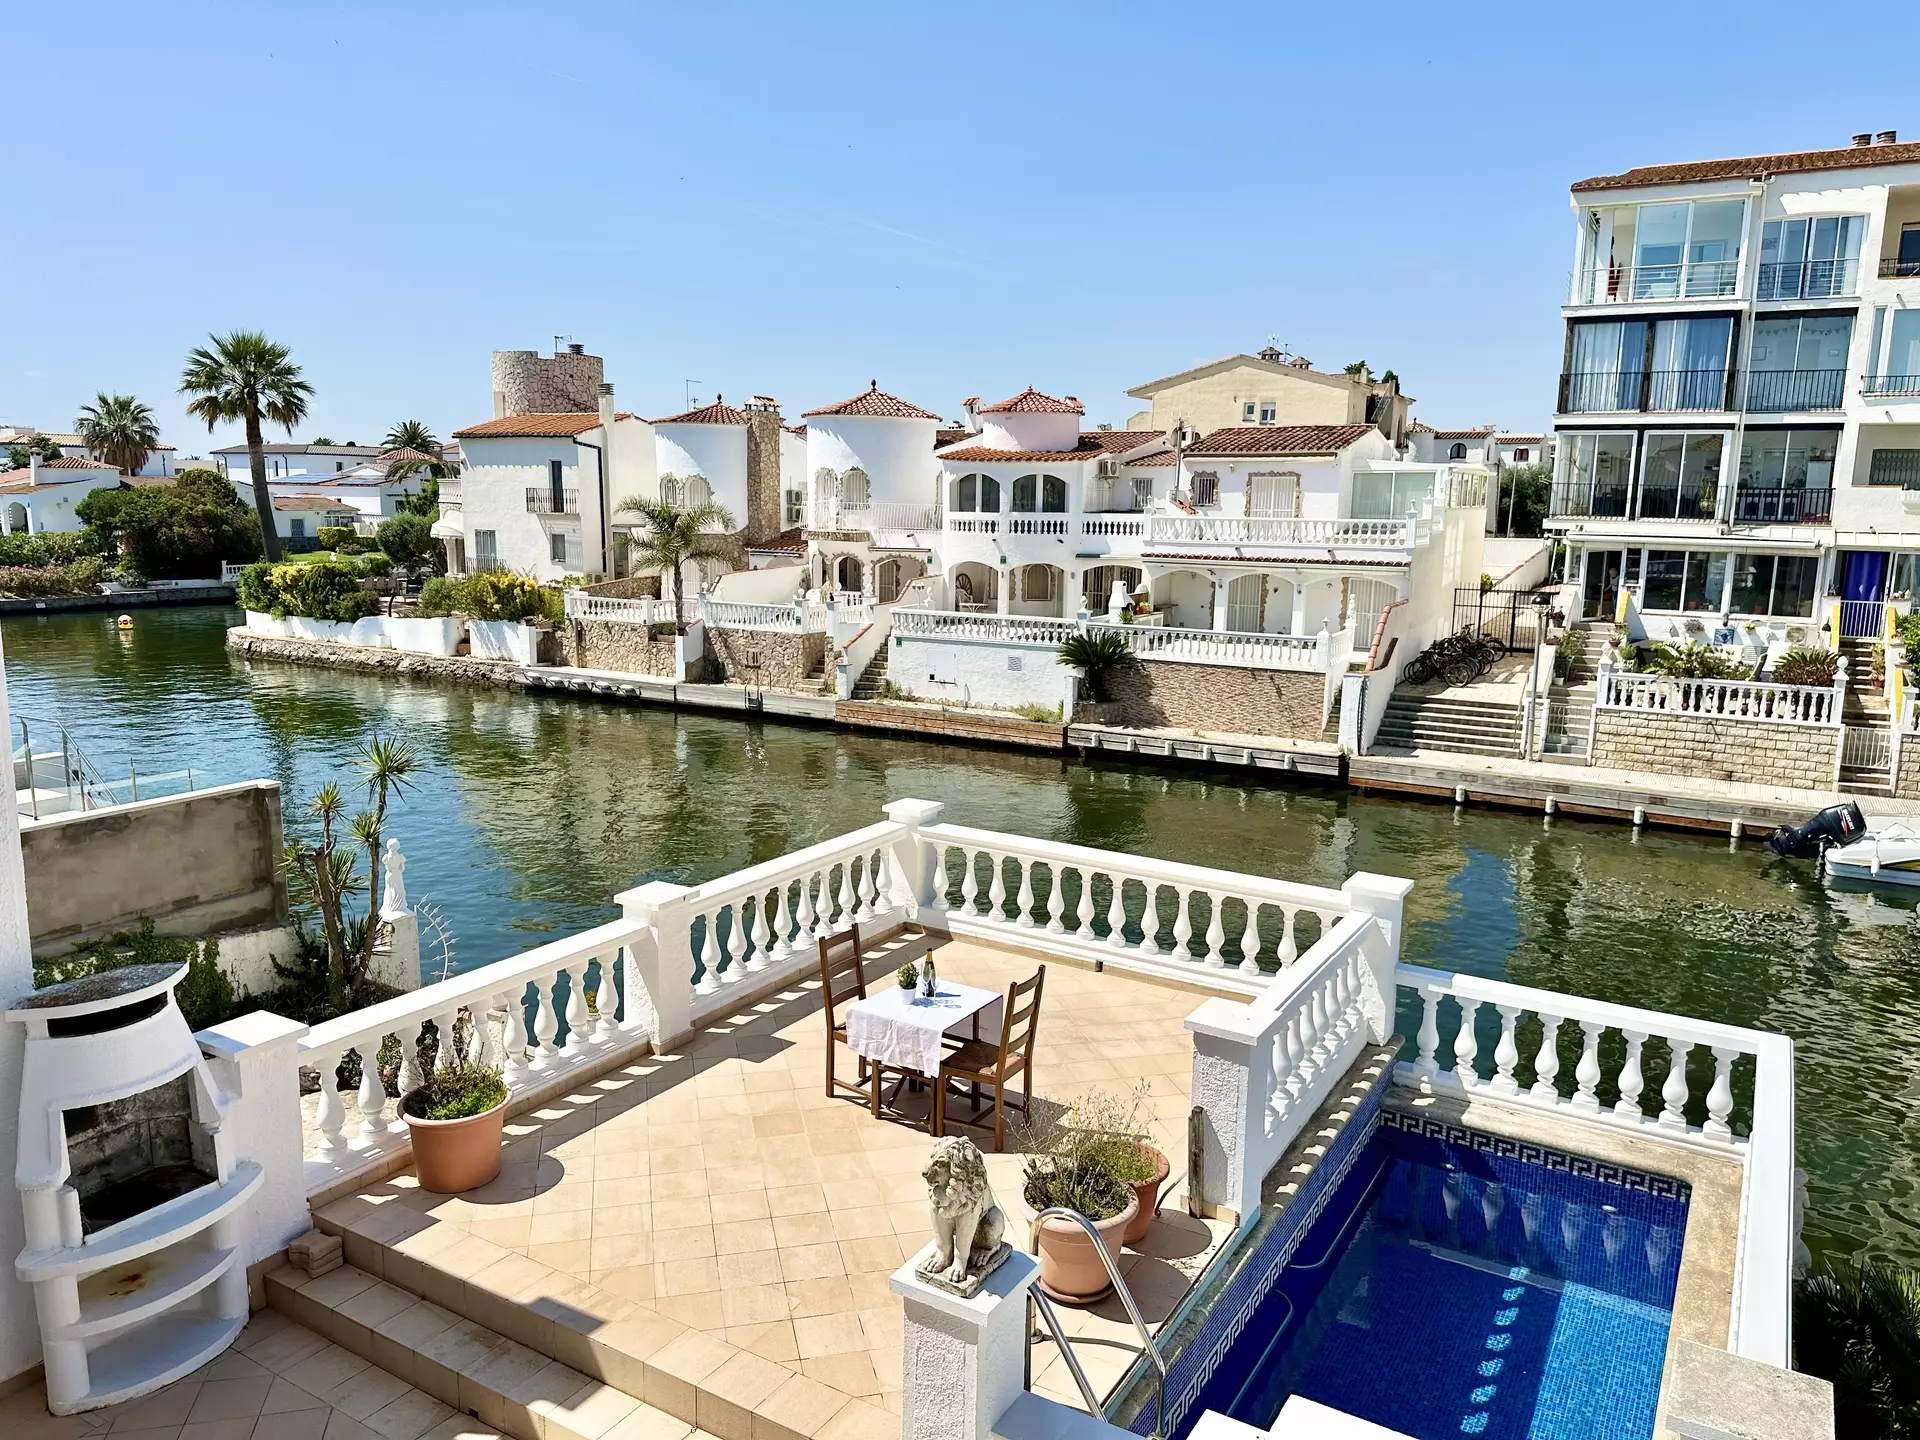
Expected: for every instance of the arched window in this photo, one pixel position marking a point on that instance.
(1037, 582)
(848, 574)
(1522, 455)
(977, 492)
(1457, 451)
(855, 493)
(1046, 493)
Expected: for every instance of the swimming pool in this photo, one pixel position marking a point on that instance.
(1457, 1283)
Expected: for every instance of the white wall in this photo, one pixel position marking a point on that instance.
(977, 672)
(718, 452)
(896, 454)
(494, 497)
(52, 507)
(1029, 432)
(19, 1329)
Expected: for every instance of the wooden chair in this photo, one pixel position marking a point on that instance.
(843, 978)
(979, 1062)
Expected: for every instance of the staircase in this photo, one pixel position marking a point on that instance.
(1866, 740)
(1597, 633)
(867, 687)
(1433, 722)
(1568, 721)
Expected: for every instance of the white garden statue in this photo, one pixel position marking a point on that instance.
(393, 900)
(969, 1228)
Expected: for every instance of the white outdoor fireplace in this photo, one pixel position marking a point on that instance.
(130, 1188)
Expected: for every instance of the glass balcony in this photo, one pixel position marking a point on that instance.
(1681, 280)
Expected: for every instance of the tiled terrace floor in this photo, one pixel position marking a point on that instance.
(720, 1190)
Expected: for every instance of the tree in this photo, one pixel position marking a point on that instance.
(119, 430)
(408, 540)
(244, 376)
(675, 536)
(1859, 1327)
(1525, 491)
(324, 874)
(321, 440)
(181, 531)
(21, 452)
(431, 461)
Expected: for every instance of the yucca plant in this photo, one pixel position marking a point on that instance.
(1806, 666)
(1095, 652)
(1858, 1326)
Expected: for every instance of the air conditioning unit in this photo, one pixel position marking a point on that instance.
(1108, 469)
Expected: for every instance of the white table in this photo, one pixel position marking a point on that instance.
(899, 1029)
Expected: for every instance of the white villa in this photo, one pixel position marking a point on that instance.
(160, 460)
(43, 496)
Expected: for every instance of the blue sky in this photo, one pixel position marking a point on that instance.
(790, 200)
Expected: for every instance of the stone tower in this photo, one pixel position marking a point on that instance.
(525, 382)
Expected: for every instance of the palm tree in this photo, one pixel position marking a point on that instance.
(675, 535)
(1858, 1325)
(431, 461)
(245, 376)
(119, 430)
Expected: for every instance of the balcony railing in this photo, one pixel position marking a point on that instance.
(541, 501)
(1778, 390)
(1777, 505)
(1691, 280)
(1899, 269)
(1888, 467)
(1277, 530)
(1809, 279)
(1604, 391)
(1584, 502)
(1890, 385)
(1676, 502)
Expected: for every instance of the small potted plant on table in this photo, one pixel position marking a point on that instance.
(455, 1118)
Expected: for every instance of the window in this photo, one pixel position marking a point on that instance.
(1206, 488)
(486, 550)
(556, 486)
(1680, 476)
(855, 492)
(1142, 493)
(1634, 365)
(1274, 493)
(338, 466)
(1684, 580)
(1596, 474)
(1047, 493)
(297, 527)
(1685, 248)
(1908, 261)
(1522, 455)
(1037, 582)
(1894, 467)
(1706, 580)
(1268, 410)
(557, 549)
(1660, 589)
(1456, 451)
(1787, 460)
(977, 492)
(1689, 369)
(1810, 258)
(1389, 494)
(1900, 368)
(1244, 596)
(1799, 362)
(1247, 412)
(1773, 584)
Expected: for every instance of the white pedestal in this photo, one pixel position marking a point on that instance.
(965, 1360)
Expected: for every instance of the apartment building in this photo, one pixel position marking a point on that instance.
(1272, 388)
(1738, 411)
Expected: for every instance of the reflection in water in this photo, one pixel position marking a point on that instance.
(534, 812)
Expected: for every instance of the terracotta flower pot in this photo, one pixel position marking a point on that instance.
(1070, 1267)
(1146, 1195)
(450, 1156)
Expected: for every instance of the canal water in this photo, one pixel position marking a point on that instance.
(531, 813)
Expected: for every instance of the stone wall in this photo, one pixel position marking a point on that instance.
(634, 587)
(1225, 699)
(365, 657)
(787, 662)
(1751, 751)
(616, 645)
(526, 382)
(762, 520)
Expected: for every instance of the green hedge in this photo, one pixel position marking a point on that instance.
(324, 590)
(490, 595)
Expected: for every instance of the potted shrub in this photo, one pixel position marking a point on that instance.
(455, 1119)
(1071, 1165)
(1123, 1145)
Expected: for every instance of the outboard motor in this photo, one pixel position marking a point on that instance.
(1835, 825)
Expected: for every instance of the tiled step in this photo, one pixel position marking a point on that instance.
(479, 1372)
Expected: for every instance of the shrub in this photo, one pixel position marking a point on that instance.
(1858, 1326)
(181, 531)
(373, 566)
(408, 540)
(439, 597)
(1804, 666)
(503, 595)
(1041, 714)
(39, 551)
(1095, 652)
(1695, 661)
(81, 577)
(334, 537)
(206, 992)
(324, 590)
(456, 1090)
(1085, 1158)
(1568, 651)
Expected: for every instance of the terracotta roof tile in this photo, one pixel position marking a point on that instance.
(799, 430)
(1279, 440)
(1031, 402)
(395, 456)
(309, 502)
(1753, 167)
(718, 413)
(1093, 443)
(1520, 439)
(952, 435)
(877, 402)
(531, 426)
(787, 542)
(1480, 434)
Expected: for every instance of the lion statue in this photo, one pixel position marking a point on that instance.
(968, 1224)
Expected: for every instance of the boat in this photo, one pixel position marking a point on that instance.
(1831, 830)
(1888, 853)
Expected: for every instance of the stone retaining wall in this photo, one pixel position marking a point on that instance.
(615, 645)
(1753, 751)
(951, 724)
(1906, 784)
(365, 657)
(787, 662)
(1223, 698)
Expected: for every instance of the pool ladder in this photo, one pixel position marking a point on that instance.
(1038, 1300)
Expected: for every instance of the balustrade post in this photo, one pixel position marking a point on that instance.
(916, 859)
(1466, 1044)
(1586, 1074)
(1426, 1067)
(1233, 1083)
(1383, 898)
(1546, 1062)
(1632, 1082)
(1673, 1113)
(1720, 1096)
(256, 1058)
(660, 961)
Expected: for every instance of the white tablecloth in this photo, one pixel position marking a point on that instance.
(898, 1028)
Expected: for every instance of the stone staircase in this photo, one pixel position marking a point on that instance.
(1439, 722)
(1864, 767)
(1569, 716)
(1597, 633)
(867, 687)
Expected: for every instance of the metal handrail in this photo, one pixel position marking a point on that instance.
(1147, 1347)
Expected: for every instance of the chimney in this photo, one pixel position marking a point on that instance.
(33, 468)
(1886, 137)
(763, 516)
(576, 349)
(1862, 140)
(971, 405)
(606, 405)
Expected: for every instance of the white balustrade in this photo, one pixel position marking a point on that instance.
(1722, 699)
(790, 619)
(1034, 525)
(1221, 647)
(1768, 1229)
(1278, 530)
(1130, 527)
(579, 605)
(983, 625)
(1239, 929)
(973, 525)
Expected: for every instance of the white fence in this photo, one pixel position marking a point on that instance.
(748, 615)
(1316, 653)
(1494, 1010)
(1723, 699)
(1278, 530)
(983, 625)
(640, 611)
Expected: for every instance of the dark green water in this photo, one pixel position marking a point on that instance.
(534, 812)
